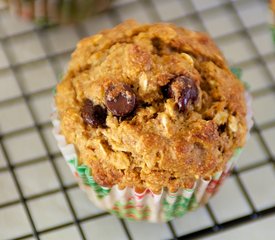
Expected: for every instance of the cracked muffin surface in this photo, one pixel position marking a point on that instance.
(151, 106)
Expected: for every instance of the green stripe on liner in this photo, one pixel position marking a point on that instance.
(54, 90)
(189, 190)
(236, 155)
(60, 76)
(84, 173)
(238, 151)
(236, 71)
(72, 161)
(178, 208)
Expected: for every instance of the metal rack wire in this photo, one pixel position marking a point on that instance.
(115, 17)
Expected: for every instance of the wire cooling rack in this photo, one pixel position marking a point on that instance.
(39, 199)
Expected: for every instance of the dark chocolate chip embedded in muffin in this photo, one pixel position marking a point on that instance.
(94, 115)
(120, 99)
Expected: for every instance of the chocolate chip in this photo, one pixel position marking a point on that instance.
(183, 90)
(93, 115)
(165, 91)
(120, 99)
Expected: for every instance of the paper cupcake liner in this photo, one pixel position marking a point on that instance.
(131, 204)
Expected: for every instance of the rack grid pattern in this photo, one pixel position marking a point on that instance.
(39, 199)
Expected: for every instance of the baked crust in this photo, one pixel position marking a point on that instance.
(157, 145)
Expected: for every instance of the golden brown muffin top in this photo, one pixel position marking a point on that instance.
(151, 106)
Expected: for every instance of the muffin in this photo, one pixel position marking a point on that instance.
(150, 119)
(48, 12)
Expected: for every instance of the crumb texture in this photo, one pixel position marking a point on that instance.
(151, 106)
